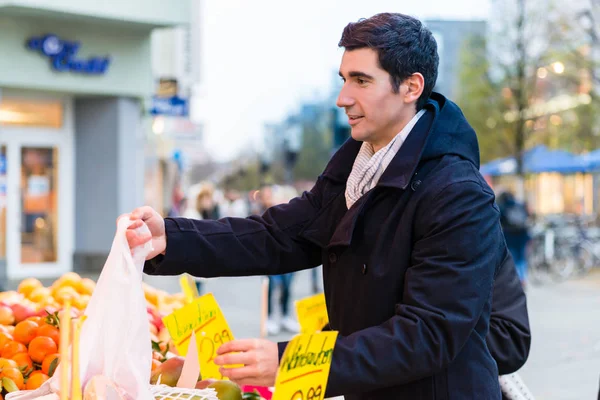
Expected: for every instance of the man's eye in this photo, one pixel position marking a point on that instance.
(361, 81)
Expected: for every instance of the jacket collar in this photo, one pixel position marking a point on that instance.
(400, 170)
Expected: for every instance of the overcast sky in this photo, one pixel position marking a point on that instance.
(262, 58)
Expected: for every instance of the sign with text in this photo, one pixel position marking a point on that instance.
(204, 317)
(312, 313)
(63, 55)
(304, 367)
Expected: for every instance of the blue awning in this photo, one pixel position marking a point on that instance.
(541, 159)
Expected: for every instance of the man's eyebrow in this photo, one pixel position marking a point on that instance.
(357, 74)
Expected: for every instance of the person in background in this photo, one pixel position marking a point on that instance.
(233, 204)
(514, 219)
(267, 200)
(205, 208)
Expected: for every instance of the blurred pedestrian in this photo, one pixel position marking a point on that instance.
(514, 219)
(205, 208)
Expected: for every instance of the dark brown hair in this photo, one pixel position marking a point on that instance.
(405, 46)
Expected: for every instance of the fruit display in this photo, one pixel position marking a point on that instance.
(29, 327)
(30, 335)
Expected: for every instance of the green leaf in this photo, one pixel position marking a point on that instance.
(9, 385)
(53, 366)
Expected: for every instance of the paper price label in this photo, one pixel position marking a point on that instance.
(203, 317)
(304, 367)
(312, 313)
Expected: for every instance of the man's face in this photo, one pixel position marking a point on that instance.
(375, 113)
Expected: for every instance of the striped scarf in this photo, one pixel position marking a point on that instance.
(369, 166)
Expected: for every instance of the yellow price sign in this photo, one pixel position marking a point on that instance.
(304, 367)
(204, 317)
(188, 287)
(312, 313)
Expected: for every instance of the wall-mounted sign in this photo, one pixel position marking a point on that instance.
(167, 87)
(170, 106)
(63, 55)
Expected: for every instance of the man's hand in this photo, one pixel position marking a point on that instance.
(259, 357)
(156, 225)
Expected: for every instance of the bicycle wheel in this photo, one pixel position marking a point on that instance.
(565, 262)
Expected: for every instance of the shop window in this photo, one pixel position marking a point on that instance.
(15, 112)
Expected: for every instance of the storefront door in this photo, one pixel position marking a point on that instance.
(36, 144)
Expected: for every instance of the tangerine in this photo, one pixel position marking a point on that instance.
(47, 363)
(36, 379)
(25, 331)
(50, 331)
(40, 347)
(15, 375)
(12, 348)
(23, 360)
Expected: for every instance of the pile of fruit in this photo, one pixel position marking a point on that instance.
(30, 336)
(29, 327)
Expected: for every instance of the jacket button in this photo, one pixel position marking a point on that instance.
(414, 185)
(332, 258)
(364, 269)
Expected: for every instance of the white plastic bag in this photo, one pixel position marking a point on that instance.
(115, 338)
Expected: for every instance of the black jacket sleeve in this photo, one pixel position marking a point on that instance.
(509, 337)
(258, 245)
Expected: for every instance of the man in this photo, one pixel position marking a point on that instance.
(405, 226)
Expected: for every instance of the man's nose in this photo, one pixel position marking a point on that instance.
(344, 99)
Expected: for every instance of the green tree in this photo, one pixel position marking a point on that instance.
(521, 86)
(316, 146)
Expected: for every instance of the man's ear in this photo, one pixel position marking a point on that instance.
(415, 85)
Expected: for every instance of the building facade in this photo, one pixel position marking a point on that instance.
(75, 83)
(450, 37)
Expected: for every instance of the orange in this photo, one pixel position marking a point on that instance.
(13, 348)
(155, 364)
(15, 375)
(10, 329)
(8, 363)
(4, 338)
(40, 347)
(40, 294)
(48, 363)
(25, 331)
(50, 331)
(23, 360)
(86, 286)
(36, 379)
(29, 285)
